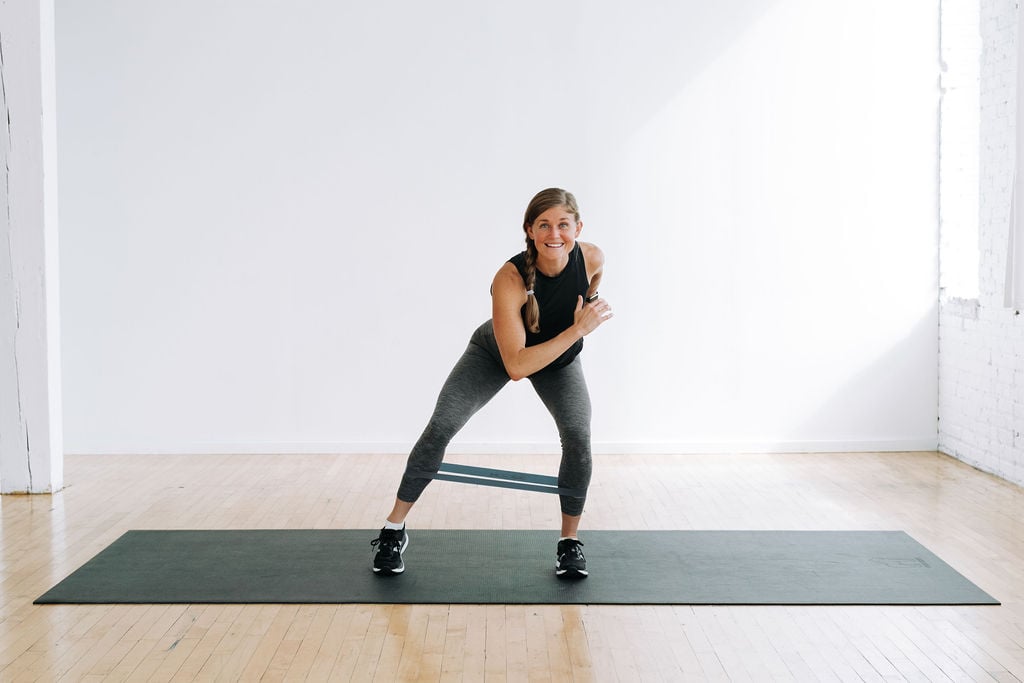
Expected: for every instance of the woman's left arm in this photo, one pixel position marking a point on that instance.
(594, 259)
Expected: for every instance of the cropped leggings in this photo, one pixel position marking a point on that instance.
(476, 379)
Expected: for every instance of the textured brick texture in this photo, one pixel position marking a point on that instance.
(981, 341)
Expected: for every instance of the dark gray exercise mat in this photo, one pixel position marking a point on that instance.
(517, 567)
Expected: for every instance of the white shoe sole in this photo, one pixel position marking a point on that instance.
(571, 572)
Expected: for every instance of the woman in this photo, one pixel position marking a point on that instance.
(544, 301)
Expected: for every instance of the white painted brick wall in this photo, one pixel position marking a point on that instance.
(958, 154)
(981, 343)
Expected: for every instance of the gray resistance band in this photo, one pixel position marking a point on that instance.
(485, 476)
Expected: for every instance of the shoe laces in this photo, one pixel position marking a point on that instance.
(389, 540)
(571, 548)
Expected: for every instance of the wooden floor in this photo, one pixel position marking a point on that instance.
(972, 520)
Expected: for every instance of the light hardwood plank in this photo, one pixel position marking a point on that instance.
(972, 520)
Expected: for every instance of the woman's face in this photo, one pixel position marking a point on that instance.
(554, 233)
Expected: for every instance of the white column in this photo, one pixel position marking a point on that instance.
(31, 439)
(1014, 297)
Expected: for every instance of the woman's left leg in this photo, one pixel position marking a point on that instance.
(565, 395)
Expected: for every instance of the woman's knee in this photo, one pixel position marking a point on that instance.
(575, 436)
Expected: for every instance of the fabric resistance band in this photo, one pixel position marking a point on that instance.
(485, 476)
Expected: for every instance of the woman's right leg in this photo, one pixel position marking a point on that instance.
(476, 378)
(474, 381)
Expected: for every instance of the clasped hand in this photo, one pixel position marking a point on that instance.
(589, 316)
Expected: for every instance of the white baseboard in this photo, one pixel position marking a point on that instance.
(713, 447)
(497, 448)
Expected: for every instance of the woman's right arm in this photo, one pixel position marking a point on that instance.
(508, 294)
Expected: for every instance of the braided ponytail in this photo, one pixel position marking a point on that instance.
(531, 316)
(542, 201)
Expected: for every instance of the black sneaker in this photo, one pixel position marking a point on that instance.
(387, 559)
(571, 564)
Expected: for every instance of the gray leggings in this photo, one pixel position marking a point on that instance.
(474, 381)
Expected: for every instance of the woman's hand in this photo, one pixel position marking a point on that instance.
(588, 317)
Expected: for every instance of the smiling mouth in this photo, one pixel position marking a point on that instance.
(554, 245)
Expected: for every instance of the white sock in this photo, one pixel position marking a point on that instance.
(392, 525)
(566, 538)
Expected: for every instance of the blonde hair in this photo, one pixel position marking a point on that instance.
(545, 199)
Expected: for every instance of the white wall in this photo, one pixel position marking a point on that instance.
(981, 360)
(31, 446)
(280, 219)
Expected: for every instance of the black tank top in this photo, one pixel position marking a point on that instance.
(557, 298)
